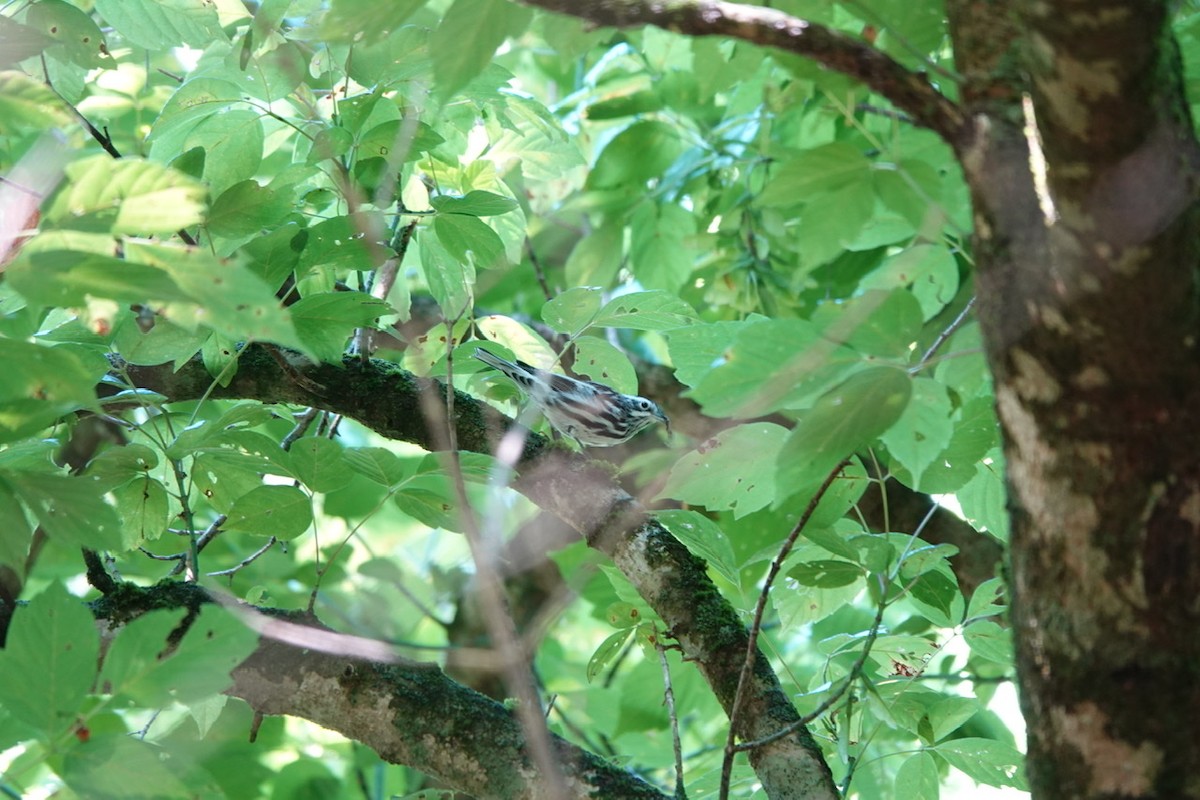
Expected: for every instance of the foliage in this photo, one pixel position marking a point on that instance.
(751, 221)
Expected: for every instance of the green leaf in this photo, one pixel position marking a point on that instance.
(823, 169)
(844, 419)
(284, 512)
(325, 321)
(718, 475)
(704, 538)
(976, 431)
(193, 102)
(349, 242)
(144, 509)
(521, 340)
(924, 429)
(800, 605)
(983, 499)
(937, 597)
(377, 464)
(573, 310)
(476, 203)
(986, 760)
(140, 666)
(246, 208)
(596, 258)
(16, 533)
(989, 640)
(875, 323)
(331, 142)
(826, 574)
(318, 462)
(928, 270)
(623, 615)
(467, 37)
(914, 190)
(226, 297)
(637, 154)
(772, 364)
(163, 24)
(69, 508)
(48, 664)
(233, 146)
(113, 764)
(603, 363)
(130, 195)
(645, 311)
(450, 280)
(607, 651)
(466, 237)
(831, 221)
(77, 37)
(923, 558)
(948, 715)
(697, 348)
(42, 384)
(162, 343)
(70, 278)
(659, 253)
(353, 20)
(25, 102)
(918, 777)
(988, 599)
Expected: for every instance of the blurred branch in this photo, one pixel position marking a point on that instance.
(909, 91)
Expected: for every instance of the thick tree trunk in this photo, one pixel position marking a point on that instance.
(1087, 251)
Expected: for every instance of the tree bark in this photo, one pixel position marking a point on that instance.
(1087, 298)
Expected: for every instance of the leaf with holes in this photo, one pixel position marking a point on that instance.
(719, 475)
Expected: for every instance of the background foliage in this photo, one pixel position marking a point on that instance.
(796, 253)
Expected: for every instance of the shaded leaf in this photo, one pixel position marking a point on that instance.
(48, 664)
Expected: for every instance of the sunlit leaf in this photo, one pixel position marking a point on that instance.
(844, 419)
(131, 195)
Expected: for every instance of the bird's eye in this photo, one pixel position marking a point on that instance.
(643, 404)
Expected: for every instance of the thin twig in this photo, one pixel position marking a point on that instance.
(191, 558)
(247, 561)
(537, 269)
(304, 421)
(944, 335)
(828, 702)
(885, 112)
(669, 695)
(756, 626)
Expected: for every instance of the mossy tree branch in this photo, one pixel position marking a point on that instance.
(408, 712)
(579, 491)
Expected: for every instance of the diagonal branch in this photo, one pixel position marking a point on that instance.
(579, 491)
(909, 91)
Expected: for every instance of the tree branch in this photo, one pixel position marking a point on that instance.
(909, 91)
(408, 712)
(579, 491)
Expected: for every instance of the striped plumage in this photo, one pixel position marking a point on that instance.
(590, 413)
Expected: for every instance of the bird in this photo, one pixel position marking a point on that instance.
(591, 413)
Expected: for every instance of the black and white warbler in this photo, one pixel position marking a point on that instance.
(590, 413)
